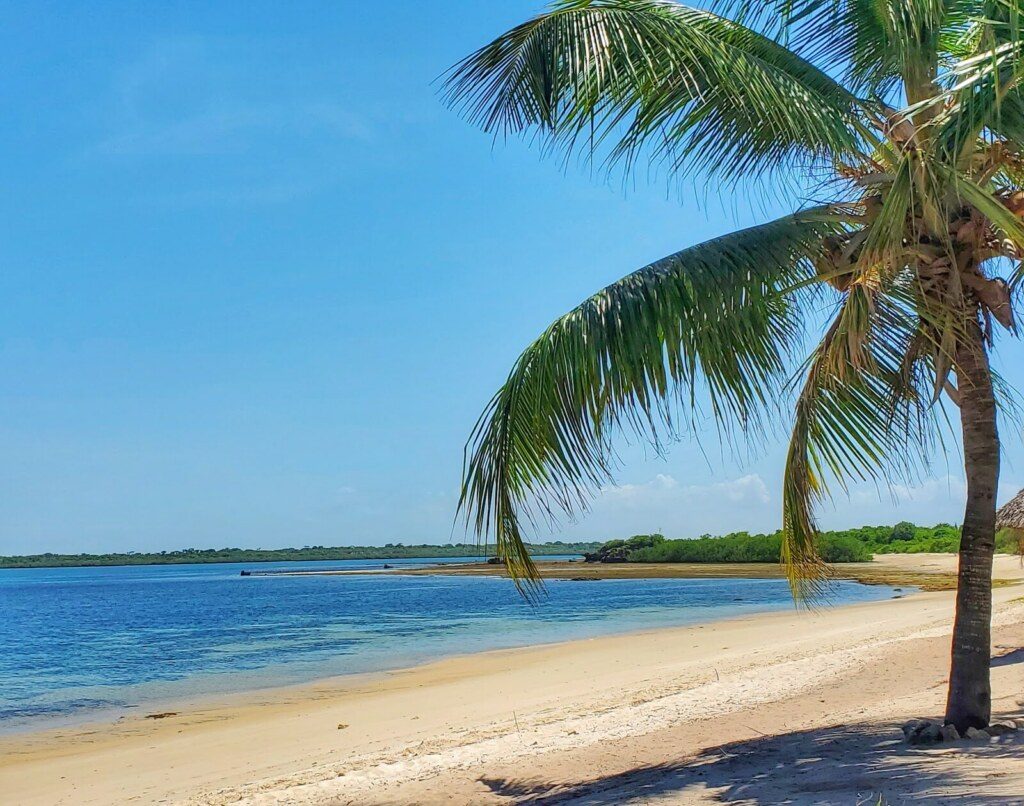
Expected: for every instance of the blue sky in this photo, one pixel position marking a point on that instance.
(257, 283)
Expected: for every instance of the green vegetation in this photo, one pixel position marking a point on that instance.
(738, 547)
(741, 547)
(845, 546)
(307, 554)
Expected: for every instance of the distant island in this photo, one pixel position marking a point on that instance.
(391, 551)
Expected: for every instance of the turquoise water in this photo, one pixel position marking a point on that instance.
(84, 643)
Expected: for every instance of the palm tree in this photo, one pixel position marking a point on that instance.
(899, 124)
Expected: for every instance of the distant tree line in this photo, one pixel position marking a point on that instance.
(391, 551)
(847, 545)
(840, 546)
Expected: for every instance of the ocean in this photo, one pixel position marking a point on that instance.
(78, 644)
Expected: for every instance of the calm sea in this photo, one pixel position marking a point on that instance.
(84, 643)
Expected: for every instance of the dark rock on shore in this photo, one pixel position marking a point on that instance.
(620, 551)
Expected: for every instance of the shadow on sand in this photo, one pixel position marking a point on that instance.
(1008, 658)
(864, 764)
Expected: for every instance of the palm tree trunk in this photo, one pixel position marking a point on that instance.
(970, 695)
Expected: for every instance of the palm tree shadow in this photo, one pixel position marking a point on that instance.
(1008, 658)
(863, 764)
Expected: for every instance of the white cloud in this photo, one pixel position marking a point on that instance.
(678, 510)
(746, 489)
(748, 503)
(936, 490)
(942, 489)
(634, 493)
(935, 500)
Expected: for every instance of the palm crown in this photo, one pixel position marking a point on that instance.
(905, 121)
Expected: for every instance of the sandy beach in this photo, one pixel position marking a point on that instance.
(801, 707)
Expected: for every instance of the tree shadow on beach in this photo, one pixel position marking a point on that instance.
(866, 764)
(1008, 658)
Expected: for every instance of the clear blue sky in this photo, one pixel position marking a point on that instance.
(257, 283)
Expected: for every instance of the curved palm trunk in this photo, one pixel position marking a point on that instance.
(970, 695)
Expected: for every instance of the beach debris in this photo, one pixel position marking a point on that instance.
(162, 715)
(342, 725)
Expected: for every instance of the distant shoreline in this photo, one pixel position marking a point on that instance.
(396, 551)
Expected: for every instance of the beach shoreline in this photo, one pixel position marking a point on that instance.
(257, 692)
(564, 614)
(204, 689)
(409, 735)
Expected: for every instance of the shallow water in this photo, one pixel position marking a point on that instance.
(82, 643)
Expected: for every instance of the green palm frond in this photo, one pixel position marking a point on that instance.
(884, 243)
(715, 313)
(872, 44)
(693, 90)
(983, 92)
(864, 413)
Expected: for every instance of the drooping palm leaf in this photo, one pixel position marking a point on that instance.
(714, 314)
(697, 91)
(864, 413)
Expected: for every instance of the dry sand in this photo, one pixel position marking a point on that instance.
(778, 708)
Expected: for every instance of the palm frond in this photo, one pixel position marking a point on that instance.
(871, 44)
(983, 90)
(863, 414)
(1001, 218)
(628, 359)
(692, 90)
